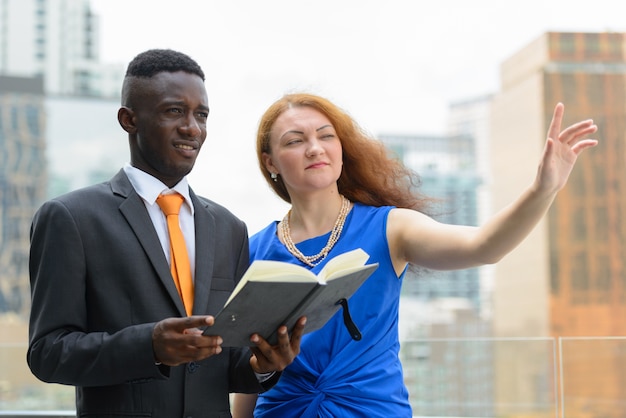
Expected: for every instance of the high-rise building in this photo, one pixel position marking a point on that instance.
(450, 302)
(59, 40)
(53, 94)
(447, 170)
(22, 183)
(568, 278)
(472, 118)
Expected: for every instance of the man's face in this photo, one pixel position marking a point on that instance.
(169, 114)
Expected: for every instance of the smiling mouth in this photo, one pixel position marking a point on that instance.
(184, 147)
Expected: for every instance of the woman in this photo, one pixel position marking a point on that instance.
(345, 193)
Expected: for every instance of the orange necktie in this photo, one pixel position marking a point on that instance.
(179, 261)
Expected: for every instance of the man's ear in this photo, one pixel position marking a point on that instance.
(126, 119)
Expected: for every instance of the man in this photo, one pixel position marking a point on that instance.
(108, 315)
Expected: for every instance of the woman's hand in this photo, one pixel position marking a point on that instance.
(561, 151)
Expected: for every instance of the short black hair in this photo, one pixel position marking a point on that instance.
(154, 61)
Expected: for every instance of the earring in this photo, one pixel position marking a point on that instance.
(274, 176)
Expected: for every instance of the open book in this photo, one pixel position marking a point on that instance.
(275, 293)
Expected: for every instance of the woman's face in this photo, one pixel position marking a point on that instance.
(305, 150)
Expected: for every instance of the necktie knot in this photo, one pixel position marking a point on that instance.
(170, 203)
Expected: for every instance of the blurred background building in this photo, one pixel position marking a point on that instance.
(568, 278)
(54, 92)
(57, 39)
(23, 179)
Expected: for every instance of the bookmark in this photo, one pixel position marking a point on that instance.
(348, 322)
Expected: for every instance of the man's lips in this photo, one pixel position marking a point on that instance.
(187, 145)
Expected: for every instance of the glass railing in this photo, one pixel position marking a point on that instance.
(513, 378)
(593, 377)
(21, 391)
(503, 378)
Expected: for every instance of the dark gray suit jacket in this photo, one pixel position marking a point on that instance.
(99, 283)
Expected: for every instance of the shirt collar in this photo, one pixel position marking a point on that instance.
(149, 187)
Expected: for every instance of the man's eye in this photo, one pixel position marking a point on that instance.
(174, 110)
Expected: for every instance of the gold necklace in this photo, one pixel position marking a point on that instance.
(314, 260)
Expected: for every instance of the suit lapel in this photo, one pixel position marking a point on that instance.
(205, 252)
(134, 210)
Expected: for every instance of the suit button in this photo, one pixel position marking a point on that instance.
(192, 367)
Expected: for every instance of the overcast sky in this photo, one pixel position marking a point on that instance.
(394, 65)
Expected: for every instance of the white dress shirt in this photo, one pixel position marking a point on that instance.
(149, 188)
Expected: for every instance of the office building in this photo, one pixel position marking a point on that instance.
(56, 135)
(445, 304)
(447, 170)
(59, 40)
(22, 183)
(568, 278)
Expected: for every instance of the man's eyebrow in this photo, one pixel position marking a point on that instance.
(183, 104)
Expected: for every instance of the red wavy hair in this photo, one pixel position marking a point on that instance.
(370, 175)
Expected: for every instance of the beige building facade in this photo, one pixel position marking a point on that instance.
(568, 278)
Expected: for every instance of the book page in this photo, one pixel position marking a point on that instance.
(273, 271)
(346, 261)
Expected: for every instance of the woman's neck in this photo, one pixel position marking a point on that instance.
(314, 216)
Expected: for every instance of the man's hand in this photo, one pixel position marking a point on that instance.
(267, 358)
(180, 340)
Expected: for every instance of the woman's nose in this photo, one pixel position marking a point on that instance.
(314, 148)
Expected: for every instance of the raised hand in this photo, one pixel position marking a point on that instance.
(562, 149)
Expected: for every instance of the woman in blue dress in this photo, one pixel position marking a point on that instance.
(346, 192)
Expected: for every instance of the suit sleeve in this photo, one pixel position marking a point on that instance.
(60, 348)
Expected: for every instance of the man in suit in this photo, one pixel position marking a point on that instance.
(107, 316)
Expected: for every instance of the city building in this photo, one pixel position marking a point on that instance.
(447, 170)
(58, 132)
(445, 378)
(59, 40)
(568, 279)
(55, 95)
(22, 183)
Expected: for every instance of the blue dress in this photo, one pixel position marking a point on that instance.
(335, 376)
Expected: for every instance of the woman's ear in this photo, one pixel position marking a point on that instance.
(126, 119)
(269, 165)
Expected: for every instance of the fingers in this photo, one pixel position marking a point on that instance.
(555, 124)
(576, 131)
(574, 134)
(581, 145)
(269, 358)
(179, 340)
(296, 334)
(268, 353)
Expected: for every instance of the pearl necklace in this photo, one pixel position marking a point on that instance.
(314, 260)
